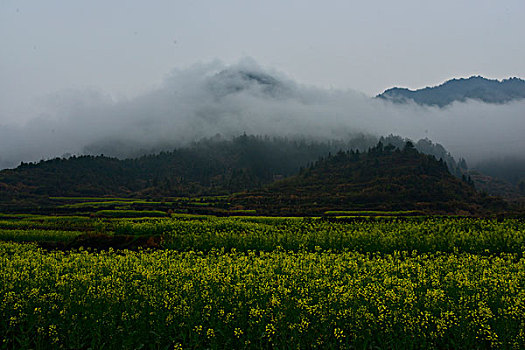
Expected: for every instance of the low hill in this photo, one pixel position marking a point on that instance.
(209, 167)
(385, 178)
(374, 180)
(475, 88)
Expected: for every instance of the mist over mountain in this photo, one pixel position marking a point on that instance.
(230, 81)
(211, 99)
(460, 90)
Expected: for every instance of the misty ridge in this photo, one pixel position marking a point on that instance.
(212, 99)
(473, 88)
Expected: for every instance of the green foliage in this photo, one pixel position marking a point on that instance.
(211, 168)
(41, 228)
(179, 216)
(36, 235)
(242, 212)
(381, 180)
(89, 199)
(130, 213)
(102, 204)
(65, 223)
(371, 213)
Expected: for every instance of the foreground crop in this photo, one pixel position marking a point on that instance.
(283, 299)
(204, 233)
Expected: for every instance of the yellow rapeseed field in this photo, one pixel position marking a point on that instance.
(280, 296)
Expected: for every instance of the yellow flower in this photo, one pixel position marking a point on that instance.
(338, 333)
(238, 332)
(210, 333)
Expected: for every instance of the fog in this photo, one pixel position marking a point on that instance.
(212, 98)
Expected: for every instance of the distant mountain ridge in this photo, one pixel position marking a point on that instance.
(460, 90)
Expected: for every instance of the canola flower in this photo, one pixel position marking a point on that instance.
(258, 299)
(387, 235)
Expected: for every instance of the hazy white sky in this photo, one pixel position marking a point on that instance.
(125, 48)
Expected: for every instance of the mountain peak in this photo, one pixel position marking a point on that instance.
(460, 90)
(232, 81)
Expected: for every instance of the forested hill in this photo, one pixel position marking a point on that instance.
(206, 168)
(384, 178)
(475, 88)
(209, 167)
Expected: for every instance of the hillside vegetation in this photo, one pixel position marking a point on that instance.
(384, 178)
(208, 167)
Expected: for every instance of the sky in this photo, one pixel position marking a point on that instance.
(125, 48)
(84, 71)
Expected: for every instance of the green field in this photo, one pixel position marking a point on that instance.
(371, 213)
(261, 282)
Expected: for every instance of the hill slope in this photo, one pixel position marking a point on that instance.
(205, 168)
(476, 88)
(212, 166)
(382, 179)
(377, 179)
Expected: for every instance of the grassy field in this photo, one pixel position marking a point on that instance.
(262, 282)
